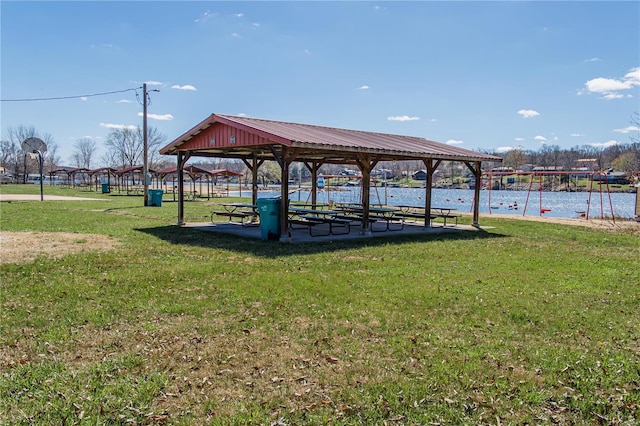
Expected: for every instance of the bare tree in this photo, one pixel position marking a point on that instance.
(9, 156)
(635, 120)
(125, 147)
(15, 158)
(515, 158)
(155, 140)
(84, 150)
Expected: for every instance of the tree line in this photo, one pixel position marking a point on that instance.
(124, 148)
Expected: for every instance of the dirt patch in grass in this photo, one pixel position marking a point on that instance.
(22, 247)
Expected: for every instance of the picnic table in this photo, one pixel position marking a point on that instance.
(311, 218)
(417, 212)
(445, 213)
(388, 215)
(247, 213)
(413, 213)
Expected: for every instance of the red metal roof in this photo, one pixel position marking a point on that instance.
(197, 169)
(239, 136)
(102, 169)
(134, 169)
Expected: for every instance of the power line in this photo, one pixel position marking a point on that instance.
(68, 97)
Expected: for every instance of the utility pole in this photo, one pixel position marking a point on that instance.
(145, 165)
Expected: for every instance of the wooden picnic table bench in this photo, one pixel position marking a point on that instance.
(247, 213)
(414, 213)
(311, 218)
(445, 213)
(388, 215)
(334, 224)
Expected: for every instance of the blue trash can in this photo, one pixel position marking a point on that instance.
(105, 188)
(269, 211)
(155, 197)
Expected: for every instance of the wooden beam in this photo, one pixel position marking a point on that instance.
(313, 168)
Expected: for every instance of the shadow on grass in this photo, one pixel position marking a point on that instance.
(271, 249)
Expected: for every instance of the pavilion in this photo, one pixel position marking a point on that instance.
(255, 141)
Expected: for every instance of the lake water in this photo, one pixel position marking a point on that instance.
(554, 204)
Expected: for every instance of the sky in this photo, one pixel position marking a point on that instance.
(489, 76)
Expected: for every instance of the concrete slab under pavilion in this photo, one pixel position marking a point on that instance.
(301, 236)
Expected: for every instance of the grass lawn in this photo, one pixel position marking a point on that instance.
(525, 323)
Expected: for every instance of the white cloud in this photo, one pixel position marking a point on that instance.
(154, 83)
(403, 118)
(185, 87)
(364, 87)
(505, 149)
(609, 88)
(242, 114)
(594, 59)
(118, 126)
(433, 120)
(528, 113)
(633, 76)
(238, 15)
(124, 101)
(205, 16)
(604, 144)
(577, 135)
(628, 129)
(610, 96)
(83, 98)
(256, 24)
(540, 138)
(605, 85)
(518, 139)
(105, 45)
(235, 35)
(161, 117)
(454, 142)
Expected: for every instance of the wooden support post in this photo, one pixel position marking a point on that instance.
(431, 166)
(182, 159)
(253, 168)
(313, 168)
(365, 164)
(476, 169)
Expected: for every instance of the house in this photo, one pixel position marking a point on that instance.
(420, 175)
(617, 178)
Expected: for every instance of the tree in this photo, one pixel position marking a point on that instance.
(9, 156)
(125, 147)
(627, 162)
(269, 172)
(155, 140)
(84, 150)
(16, 160)
(515, 158)
(635, 120)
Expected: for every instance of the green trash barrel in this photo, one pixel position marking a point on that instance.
(155, 197)
(105, 188)
(269, 211)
